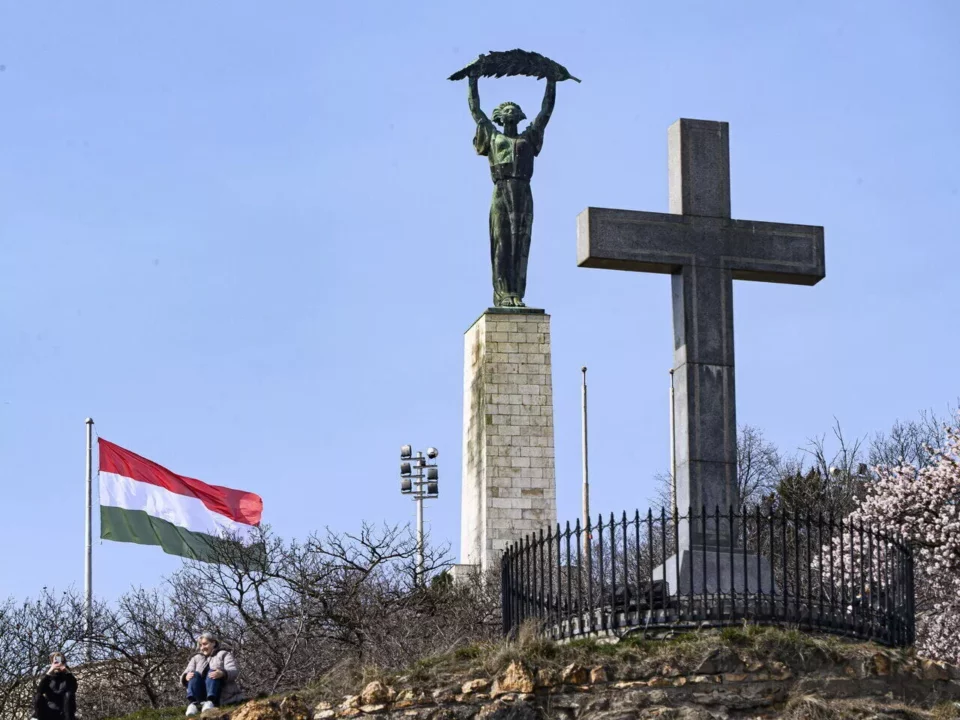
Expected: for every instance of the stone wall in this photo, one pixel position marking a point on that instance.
(878, 686)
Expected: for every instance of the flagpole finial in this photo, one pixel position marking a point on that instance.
(89, 421)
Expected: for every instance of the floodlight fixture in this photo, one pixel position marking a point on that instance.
(419, 478)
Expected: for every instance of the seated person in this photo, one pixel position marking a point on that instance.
(56, 697)
(210, 676)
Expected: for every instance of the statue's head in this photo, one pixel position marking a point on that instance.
(508, 112)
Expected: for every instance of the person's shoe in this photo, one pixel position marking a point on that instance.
(207, 705)
(192, 709)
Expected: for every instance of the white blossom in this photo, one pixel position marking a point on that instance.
(923, 507)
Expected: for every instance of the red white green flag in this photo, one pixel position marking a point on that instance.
(143, 502)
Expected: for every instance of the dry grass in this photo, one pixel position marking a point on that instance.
(633, 654)
(161, 714)
(946, 711)
(812, 707)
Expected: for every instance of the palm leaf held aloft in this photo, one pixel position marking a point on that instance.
(514, 62)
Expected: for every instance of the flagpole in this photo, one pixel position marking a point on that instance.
(88, 559)
(585, 468)
(673, 449)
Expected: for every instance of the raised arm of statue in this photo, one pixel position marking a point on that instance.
(473, 99)
(546, 109)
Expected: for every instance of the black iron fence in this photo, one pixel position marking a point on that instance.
(710, 569)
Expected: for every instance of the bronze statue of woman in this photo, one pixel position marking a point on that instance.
(511, 157)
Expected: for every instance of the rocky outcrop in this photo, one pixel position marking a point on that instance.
(291, 707)
(723, 685)
(517, 679)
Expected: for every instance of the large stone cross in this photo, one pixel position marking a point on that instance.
(704, 251)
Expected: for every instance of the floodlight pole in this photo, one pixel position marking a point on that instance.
(419, 499)
(419, 478)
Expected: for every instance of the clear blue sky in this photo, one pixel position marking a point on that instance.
(247, 238)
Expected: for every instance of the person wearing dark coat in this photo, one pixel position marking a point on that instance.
(56, 697)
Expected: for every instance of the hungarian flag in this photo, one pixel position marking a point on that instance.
(142, 502)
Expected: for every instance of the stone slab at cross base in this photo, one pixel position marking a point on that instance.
(509, 482)
(702, 563)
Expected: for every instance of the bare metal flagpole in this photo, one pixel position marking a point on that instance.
(586, 471)
(88, 559)
(673, 450)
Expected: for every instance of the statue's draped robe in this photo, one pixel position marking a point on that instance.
(511, 210)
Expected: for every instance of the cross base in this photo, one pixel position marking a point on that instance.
(712, 569)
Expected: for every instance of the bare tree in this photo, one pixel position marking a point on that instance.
(833, 481)
(29, 633)
(759, 464)
(307, 607)
(912, 442)
(12, 664)
(759, 468)
(359, 586)
(146, 647)
(241, 597)
(827, 482)
(295, 613)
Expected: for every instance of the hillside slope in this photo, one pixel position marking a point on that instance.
(745, 672)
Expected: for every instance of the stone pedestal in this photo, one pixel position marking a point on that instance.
(509, 484)
(719, 570)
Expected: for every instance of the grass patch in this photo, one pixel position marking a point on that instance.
(683, 652)
(470, 652)
(633, 655)
(811, 707)
(946, 711)
(157, 714)
(177, 711)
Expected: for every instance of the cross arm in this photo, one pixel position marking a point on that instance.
(774, 252)
(633, 240)
(666, 242)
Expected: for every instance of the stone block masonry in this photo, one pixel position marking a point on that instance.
(509, 482)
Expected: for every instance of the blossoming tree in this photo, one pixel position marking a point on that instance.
(922, 505)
